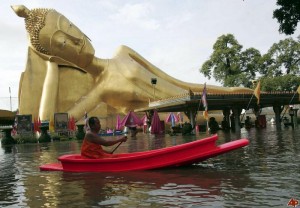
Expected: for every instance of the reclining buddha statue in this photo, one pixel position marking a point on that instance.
(63, 75)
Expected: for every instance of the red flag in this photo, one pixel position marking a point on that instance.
(72, 124)
(35, 125)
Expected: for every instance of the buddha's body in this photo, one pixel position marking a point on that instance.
(63, 75)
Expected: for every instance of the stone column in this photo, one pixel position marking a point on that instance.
(236, 112)
(295, 117)
(277, 110)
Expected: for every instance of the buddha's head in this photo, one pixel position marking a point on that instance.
(53, 34)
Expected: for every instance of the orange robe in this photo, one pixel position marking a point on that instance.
(92, 150)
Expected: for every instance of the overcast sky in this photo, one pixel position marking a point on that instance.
(175, 35)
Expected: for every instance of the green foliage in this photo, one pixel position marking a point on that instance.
(281, 83)
(282, 58)
(229, 64)
(280, 66)
(278, 69)
(288, 15)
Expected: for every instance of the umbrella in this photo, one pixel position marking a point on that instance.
(155, 124)
(131, 120)
(118, 125)
(172, 118)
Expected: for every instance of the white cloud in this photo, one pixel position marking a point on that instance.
(137, 15)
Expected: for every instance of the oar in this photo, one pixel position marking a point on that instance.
(116, 147)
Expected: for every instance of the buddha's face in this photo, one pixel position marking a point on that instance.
(63, 39)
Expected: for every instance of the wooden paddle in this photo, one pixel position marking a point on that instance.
(117, 146)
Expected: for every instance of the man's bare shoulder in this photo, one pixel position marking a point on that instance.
(90, 135)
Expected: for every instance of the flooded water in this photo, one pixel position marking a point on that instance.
(263, 174)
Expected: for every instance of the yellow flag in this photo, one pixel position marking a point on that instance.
(298, 90)
(257, 92)
(205, 115)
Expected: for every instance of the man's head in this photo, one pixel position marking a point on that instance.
(94, 123)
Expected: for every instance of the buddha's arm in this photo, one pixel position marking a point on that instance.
(50, 91)
(126, 51)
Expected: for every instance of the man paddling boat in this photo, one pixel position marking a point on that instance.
(92, 143)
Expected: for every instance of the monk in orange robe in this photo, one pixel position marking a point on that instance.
(91, 146)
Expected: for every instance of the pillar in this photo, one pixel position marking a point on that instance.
(226, 114)
(277, 110)
(236, 112)
(192, 118)
(295, 117)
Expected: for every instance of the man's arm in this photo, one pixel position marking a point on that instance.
(99, 140)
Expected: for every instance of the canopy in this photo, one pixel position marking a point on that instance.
(118, 125)
(131, 120)
(172, 118)
(155, 124)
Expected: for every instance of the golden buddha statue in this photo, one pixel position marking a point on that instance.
(63, 75)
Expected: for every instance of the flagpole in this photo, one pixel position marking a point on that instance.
(247, 107)
(10, 99)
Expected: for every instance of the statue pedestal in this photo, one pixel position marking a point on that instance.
(45, 137)
(7, 139)
(80, 132)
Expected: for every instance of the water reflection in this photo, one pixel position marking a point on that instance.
(8, 181)
(147, 188)
(263, 174)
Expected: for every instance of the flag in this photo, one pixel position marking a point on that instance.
(204, 102)
(298, 90)
(51, 124)
(86, 119)
(205, 114)
(14, 130)
(257, 92)
(35, 125)
(73, 123)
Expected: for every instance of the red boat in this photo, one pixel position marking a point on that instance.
(184, 154)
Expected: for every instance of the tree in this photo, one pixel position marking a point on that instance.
(286, 82)
(229, 64)
(280, 66)
(288, 15)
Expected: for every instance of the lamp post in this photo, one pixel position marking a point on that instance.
(153, 82)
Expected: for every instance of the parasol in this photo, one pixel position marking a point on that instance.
(131, 120)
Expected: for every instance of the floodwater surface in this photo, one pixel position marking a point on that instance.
(263, 174)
